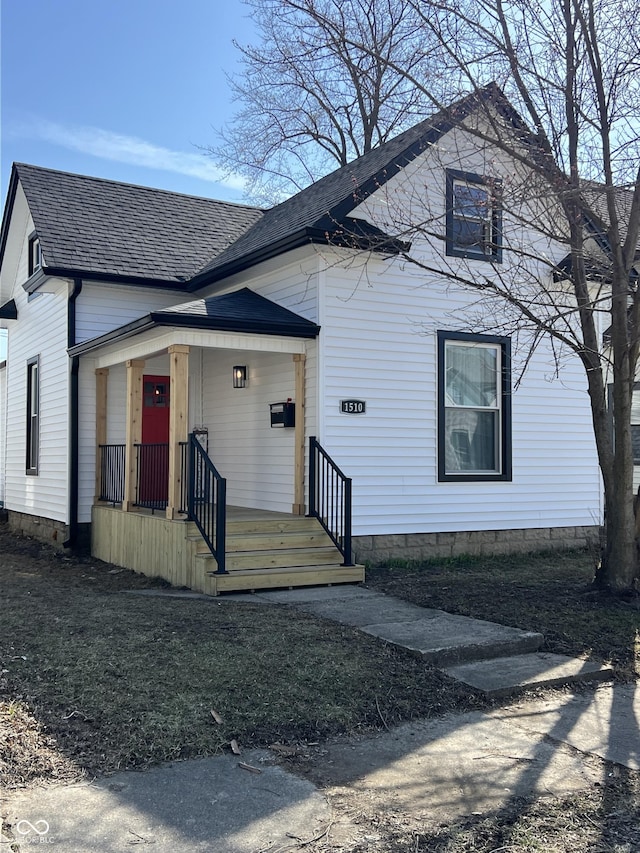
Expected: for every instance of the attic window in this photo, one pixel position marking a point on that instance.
(473, 217)
(35, 254)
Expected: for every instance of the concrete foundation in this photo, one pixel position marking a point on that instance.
(48, 530)
(427, 546)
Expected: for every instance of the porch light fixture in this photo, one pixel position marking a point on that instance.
(240, 376)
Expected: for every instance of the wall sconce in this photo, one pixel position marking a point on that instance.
(240, 376)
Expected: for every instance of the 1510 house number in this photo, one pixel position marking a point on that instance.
(353, 407)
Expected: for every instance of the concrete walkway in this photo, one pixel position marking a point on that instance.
(440, 769)
(443, 768)
(497, 660)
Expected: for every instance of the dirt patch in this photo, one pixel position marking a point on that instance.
(550, 593)
(111, 681)
(94, 680)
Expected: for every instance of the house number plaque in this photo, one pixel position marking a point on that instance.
(353, 407)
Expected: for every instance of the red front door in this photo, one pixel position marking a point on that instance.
(154, 453)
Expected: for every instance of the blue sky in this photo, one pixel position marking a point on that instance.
(124, 89)
(120, 89)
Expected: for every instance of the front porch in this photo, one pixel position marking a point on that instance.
(201, 410)
(263, 550)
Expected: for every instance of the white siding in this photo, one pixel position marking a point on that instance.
(379, 345)
(41, 331)
(3, 429)
(290, 280)
(103, 307)
(14, 262)
(256, 459)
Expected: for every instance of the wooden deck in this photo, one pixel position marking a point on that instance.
(264, 550)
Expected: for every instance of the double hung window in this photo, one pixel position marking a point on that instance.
(474, 411)
(35, 254)
(33, 415)
(474, 221)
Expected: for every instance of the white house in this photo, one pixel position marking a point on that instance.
(164, 349)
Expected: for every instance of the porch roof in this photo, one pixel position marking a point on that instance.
(239, 311)
(8, 311)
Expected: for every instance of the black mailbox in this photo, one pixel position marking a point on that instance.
(283, 414)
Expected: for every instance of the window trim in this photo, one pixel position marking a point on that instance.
(33, 245)
(32, 455)
(505, 453)
(494, 187)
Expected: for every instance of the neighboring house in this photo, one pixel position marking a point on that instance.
(147, 327)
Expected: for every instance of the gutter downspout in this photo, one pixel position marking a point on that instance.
(73, 417)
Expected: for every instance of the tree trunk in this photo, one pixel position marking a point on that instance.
(618, 571)
(619, 566)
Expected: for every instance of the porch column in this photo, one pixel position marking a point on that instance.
(133, 431)
(299, 360)
(102, 376)
(178, 422)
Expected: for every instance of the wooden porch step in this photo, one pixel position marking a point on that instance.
(290, 524)
(278, 558)
(254, 579)
(272, 541)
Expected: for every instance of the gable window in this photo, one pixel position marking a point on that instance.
(35, 254)
(474, 407)
(474, 220)
(33, 415)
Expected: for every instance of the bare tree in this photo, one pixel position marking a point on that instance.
(311, 98)
(567, 171)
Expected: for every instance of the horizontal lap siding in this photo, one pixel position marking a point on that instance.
(379, 345)
(42, 332)
(102, 308)
(256, 459)
(3, 411)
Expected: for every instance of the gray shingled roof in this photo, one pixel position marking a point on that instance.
(94, 225)
(596, 195)
(324, 204)
(239, 310)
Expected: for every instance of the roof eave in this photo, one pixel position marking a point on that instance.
(9, 311)
(110, 278)
(8, 210)
(189, 321)
(265, 253)
(253, 326)
(315, 234)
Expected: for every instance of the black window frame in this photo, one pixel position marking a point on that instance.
(34, 252)
(32, 455)
(492, 248)
(505, 421)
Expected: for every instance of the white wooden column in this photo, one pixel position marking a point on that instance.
(135, 368)
(178, 421)
(102, 377)
(299, 361)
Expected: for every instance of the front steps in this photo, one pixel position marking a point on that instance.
(272, 550)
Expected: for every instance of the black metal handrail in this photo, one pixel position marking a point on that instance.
(152, 475)
(330, 498)
(184, 477)
(207, 501)
(111, 484)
